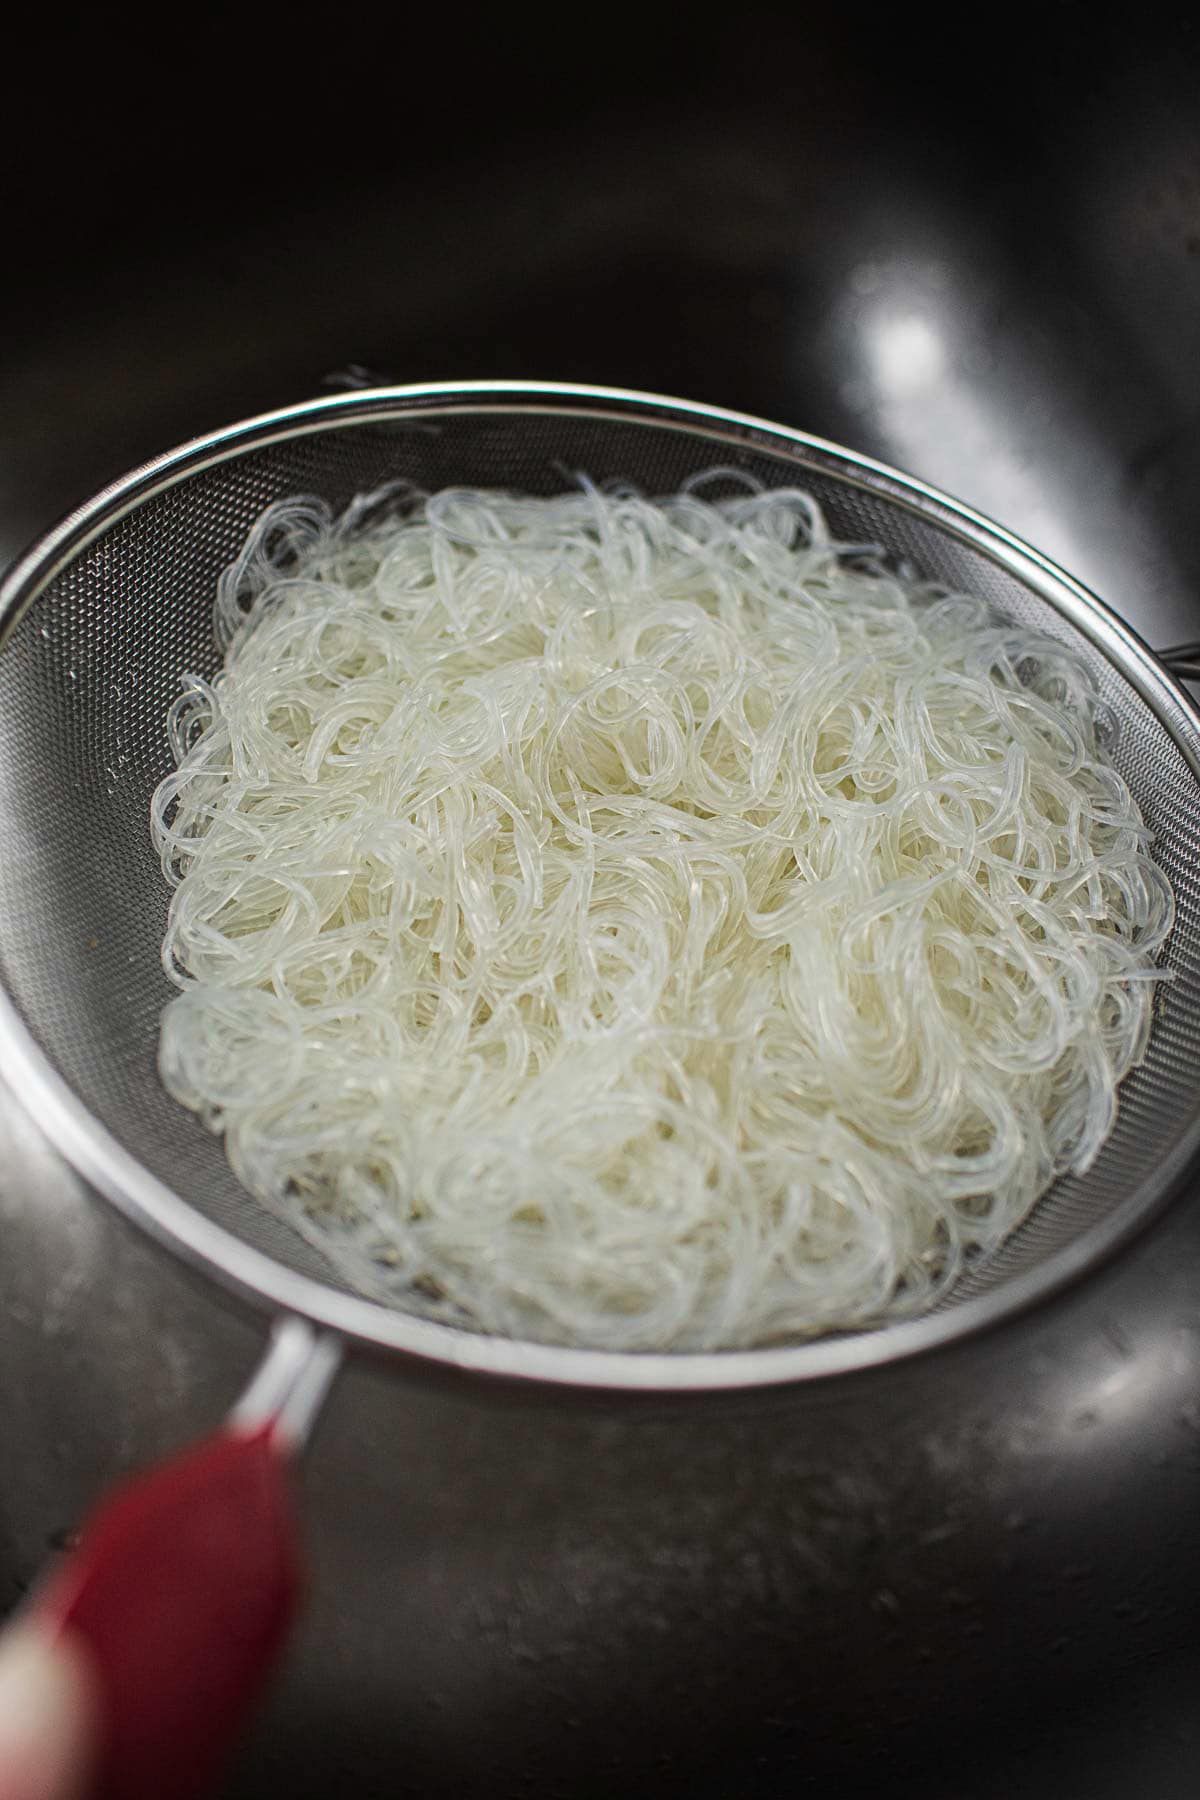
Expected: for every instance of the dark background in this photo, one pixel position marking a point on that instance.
(967, 242)
(212, 217)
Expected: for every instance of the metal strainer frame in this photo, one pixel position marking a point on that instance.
(155, 1206)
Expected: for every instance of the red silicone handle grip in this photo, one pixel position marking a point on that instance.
(183, 1588)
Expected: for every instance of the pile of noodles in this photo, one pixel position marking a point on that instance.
(642, 924)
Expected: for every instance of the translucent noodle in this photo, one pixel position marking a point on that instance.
(643, 924)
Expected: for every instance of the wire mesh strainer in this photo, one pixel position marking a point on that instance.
(99, 620)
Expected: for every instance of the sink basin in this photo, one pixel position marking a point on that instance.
(972, 1577)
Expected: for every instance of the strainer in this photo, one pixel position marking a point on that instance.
(100, 618)
(97, 623)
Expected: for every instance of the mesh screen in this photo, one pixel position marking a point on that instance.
(89, 670)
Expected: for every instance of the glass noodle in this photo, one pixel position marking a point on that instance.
(643, 924)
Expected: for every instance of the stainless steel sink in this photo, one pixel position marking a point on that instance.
(975, 1577)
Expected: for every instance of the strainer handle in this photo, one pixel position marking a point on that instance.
(186, 1582)
(1183, 660)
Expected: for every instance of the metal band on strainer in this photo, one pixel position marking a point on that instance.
(100, 618)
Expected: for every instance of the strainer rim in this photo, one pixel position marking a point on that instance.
(174, 1221)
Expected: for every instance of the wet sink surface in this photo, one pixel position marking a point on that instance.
(993, 282)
